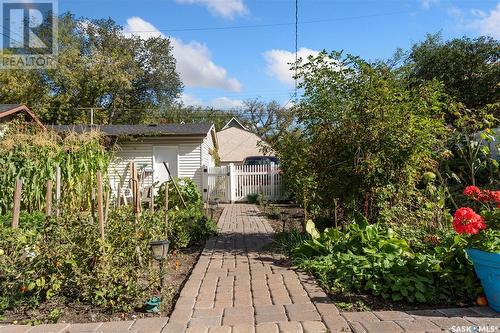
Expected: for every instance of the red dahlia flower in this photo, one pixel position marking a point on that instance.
(466, 221)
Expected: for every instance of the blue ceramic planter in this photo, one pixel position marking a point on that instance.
(487, 267)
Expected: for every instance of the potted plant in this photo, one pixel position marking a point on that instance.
(482, 232)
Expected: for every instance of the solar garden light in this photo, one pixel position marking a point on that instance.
(159, 248)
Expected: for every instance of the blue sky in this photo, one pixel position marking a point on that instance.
(223, 67)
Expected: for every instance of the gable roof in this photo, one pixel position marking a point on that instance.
(140, 130)
(10, 109)
(234, 123)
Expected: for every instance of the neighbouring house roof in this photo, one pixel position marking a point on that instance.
(8, 110)
(234, 123)
(140, 130)
(235, 144)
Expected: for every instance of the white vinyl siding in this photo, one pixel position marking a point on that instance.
(206, 147)
(141, 151)
(190, 161)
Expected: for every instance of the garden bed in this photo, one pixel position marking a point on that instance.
(286, 217)
(178, 268)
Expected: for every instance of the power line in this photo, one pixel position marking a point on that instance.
(277, 24)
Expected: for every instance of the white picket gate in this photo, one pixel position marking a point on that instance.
(233, 183)
(216, 184)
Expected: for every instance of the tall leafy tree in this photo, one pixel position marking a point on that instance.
(123, 77)
(267, 120)
(365, 136)
(470, 71)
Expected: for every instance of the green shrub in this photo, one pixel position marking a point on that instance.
(189, 190)
(189, 227)
(374, 259)
(286, 242)
(273, 212)
(255, 198)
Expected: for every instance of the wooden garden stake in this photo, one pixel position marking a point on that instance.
(100, 212)
(17, 203)
(175, 184)
(48, 199)
(166, 208)
(106, 206)
(135, 188)
(119, 196)
(152, 202)
(132, 183)
(58, 190)
(135, 183)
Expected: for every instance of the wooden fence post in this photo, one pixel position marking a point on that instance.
(48, 199)
(58, 191)
(100, 212)
(17, 203)
(232, 183)
(204, 183)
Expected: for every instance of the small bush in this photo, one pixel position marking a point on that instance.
(255, 198)
(187, 187)
(286, 242)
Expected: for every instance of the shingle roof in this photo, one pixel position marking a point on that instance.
(142, 130)
(7, 107)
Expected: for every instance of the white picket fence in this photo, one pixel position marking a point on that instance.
(233, 183)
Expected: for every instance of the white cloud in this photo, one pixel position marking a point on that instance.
(225, 8)
(188, 99)
(488, 23)
(194, 62)
(279, 63)
(226, 103)
(428, 3)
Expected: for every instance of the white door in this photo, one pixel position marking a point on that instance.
(166, 154)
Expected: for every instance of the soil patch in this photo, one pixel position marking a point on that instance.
(283, 217)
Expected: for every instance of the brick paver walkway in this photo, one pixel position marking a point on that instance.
(238, 287)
